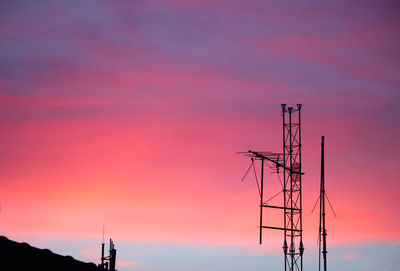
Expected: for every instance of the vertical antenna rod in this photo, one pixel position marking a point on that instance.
(322, 202)
(102, 251)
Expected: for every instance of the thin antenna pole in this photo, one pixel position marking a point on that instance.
(322, 201)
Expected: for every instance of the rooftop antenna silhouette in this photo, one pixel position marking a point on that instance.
(289, 164)
(108, 262)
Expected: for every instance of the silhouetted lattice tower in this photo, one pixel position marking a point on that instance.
(289, 164)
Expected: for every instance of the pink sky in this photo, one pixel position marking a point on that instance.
(130, 116)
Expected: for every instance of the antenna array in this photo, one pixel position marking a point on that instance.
(289, 164)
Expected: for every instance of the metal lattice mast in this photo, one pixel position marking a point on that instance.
(289, 164)
(292, 189)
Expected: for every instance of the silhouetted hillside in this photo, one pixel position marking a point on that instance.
(21, 256)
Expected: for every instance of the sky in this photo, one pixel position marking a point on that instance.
(130, 114)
